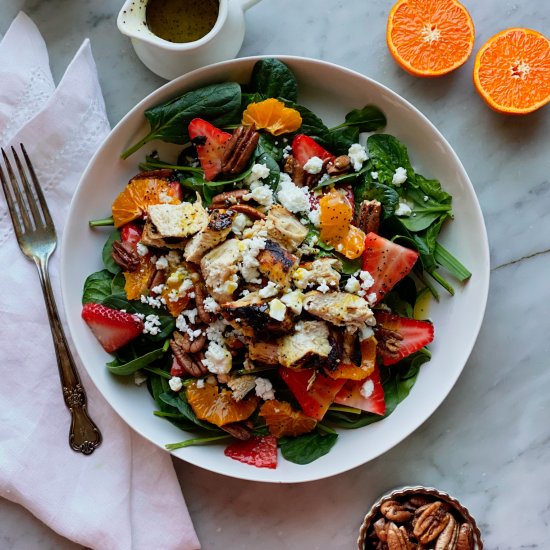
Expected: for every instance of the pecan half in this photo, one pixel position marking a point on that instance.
(250, 211)
(298, 175)
(187, 345)
(368, 217)
(340, 165)
(187, 362)
(449, 536)
(395, 511)
(381, 529)
(228, 198)
(200, 296)
(239, 149)
(465, 539)
(237, 430)
(388, 339)
(158, 278)
(429, 524)
(125, 256)
(398, 538)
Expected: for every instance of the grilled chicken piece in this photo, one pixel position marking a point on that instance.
(277, 263)
(285, 228)
(152, 237)
(338, 308)
(308, 345)
(250, 315)
(219, 226)
(324, 270)
(264, 352)
(178, 220)
(219, 269)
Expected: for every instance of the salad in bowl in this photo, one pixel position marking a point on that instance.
(270, 287)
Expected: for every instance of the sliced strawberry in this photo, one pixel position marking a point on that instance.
(314, 397)
(407, 336)
(387, 262)
(131, 233)
(176, 369)
(112, 327)
(209, 142)
(257, 451)
(371, 399)
(304, 148)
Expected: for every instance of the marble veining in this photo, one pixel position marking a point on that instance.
(488, 443)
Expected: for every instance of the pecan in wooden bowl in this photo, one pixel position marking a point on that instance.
(419, 517)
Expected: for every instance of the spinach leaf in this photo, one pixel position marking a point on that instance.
(340, 139)
(312, 125)
(220, 104)
(106, 253)
(181, 404)
(307, 448)
(97, 286)
(432, 188)
(367, 119)
(272, 145)
(121, 369)
(387, 154)
(384, 194)
(117, 284)
(263, 157)
(272, 78)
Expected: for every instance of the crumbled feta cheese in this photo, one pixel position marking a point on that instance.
(245, 292)
(139, 377)
(294, 301)
(371, 298)
(151, 325)
(426, 198)
(366, 280)
(249, 265)
(323, 287)
(374, 175)
(269, 290)
(158, 289)
(287, 151)
(185, 286)
(366, 332)
(403, 210)
(200, 383)
(191, 314)
(162, 263)
(258, 172)
(262, 194)
(142, 250)
(352, 285)
(314, 165)
(210, 305)
(151, 301)
(295, 199)
(240, 222)
(314, 216)
(175, 383)
(324, 178)
(217, 359)
(367, 389)
(400, 176)
(277, 309)
(301, 277)
(264, 389)
(358, 155)
(214, 331)
(241, 385)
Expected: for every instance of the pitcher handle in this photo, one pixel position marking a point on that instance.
(245, 4)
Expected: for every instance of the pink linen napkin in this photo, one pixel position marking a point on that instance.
(126, 494)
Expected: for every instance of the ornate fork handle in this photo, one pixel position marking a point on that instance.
(84, 435)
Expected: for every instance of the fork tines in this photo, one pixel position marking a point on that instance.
(26, 203)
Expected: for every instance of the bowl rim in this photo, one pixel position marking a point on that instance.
(410, 490)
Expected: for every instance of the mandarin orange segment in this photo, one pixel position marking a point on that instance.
(272, 116)
(219, 407)
(353, 244)
(349, 371)
(137, 282)
(283, 421)
(175, 307)
(512, 71)
(354, 372)
(140, 193)
(430, 37)
(335, 216)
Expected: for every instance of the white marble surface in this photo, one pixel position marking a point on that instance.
(488, 443)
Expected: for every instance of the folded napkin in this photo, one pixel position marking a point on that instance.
(126, 494)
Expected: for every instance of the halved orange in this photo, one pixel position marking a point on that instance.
(512, 71)
(142, 191)
(273, 116)
(430, 37)
(282, 420)
(219, 407)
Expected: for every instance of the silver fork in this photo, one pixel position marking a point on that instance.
(36, 236)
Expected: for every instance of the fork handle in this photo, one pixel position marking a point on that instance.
(84, 436)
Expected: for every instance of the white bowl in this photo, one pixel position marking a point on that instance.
(330, 91)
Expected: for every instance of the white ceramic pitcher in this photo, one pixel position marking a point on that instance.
(169, 59)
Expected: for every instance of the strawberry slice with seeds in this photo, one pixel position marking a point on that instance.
(256, 451)
(131, 233)
(112, 327)
(387, 262)
(304, 148)
(210, 144)
(398, 336)
(367, 394)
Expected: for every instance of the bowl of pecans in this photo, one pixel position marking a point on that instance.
(419, 517)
